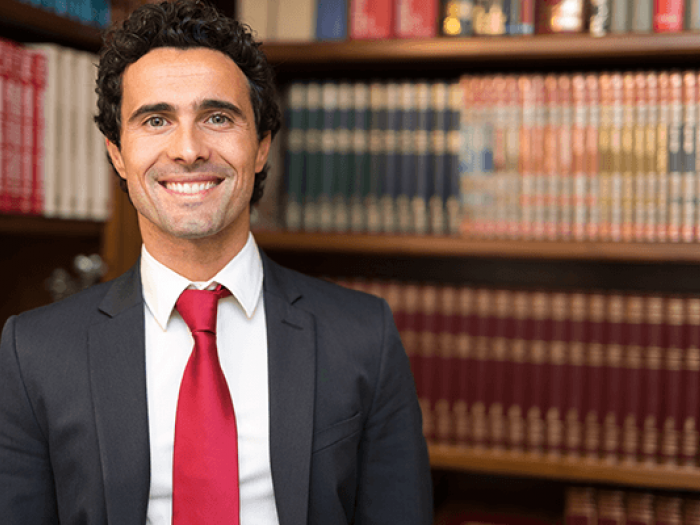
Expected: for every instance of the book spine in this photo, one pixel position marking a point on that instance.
(391, 176)
(640, 508)
(580, 506)
(512, 147)
(24, 196)
(456, 18)
(633, 361)
(39, 76)
(371, 19)
(410, 315)
(314, 157)
(517, 387)
(499, 358)
(361, 173)
(482, 377)
(537, 155)
(328, 146)
(668, 16)
(692, 15)
(447, 364)
(653, 359)
(485, 157)
(691, 511)
(579, 157)
(512, 15)
(689, 197)
(378, 96)
(620, 16)
(675, 168)
(696, 189)
(614, 378)
(422, 190)
(407, 158)
(576, 378)
(611, 507)
(343, 190)
(550, 158)
(453, 202)
(467, 161)
(416, 18)
(297, 119)
(640, 168)
(465, 354)
(650, 161)
(642, 16)
(616, 178)
(605, 155)
(628, 162)
(438, 155)
(556, 374)
(691, 385)
(595, 383)
(591, 162)
(499, 220)
(536, 369)
(84, 85)
(526, 168)
(11, 167)
(331, 20)
(668, 510)
(427, 329)
(565, 158)
(663, 155)
(672, 378)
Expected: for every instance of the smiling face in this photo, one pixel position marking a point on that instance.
(189, 148)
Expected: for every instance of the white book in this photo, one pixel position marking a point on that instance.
(101, 171)
(256, 13)
(51, 128)
(293, 21)
(84, 178)
(67, 140)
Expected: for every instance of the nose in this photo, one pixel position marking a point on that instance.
(187, 144)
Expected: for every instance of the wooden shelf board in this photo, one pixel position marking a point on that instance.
(528, 465)
(431, 246)
(31, 225)
(508, 48)
(59, 28)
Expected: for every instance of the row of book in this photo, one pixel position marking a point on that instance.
(380, 157)
(89, 12)
(593, 376)
(586, 505)
(52, 156)
(309, 20)
(600, 156)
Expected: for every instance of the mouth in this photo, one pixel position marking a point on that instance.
(190, 188)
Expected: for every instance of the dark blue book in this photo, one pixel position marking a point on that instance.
(422, 156)
(313, 172)
(296, 126)
(329, 169)
(407, 176)
(439, 157)
(331, 20)
(394, 161)
(378, 156)
(342, 189)
(361, 170)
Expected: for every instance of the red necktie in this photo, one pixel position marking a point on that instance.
(205, 459)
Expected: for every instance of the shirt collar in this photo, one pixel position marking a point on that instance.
(243, 276)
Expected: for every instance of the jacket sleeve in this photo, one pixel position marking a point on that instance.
(394, 474)
(27, 493)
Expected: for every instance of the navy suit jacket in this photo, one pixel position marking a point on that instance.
(345, 427)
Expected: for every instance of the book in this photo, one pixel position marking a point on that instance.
(578, 150)
(640, 508)
(611, 507)
(640, 160)
(692, 15)
(256, 14)
(416, 18)
(448, 360)
(371, 19)
(668, 510)
(565, 158)
(420, 201)
(688, 156)
(427, 324)
(297, 124)
(535, 408)
(344, 158)
(688, 450)
(550, 165)
(439, 157)
(456, 17)
(675, 168)
(361, 173)
(39, 80)
(83, 86)
(482, 367)
(596, 342)
(556, 374)
(331, 20)
(668, 16)
(628, 163)
(616, 158)
(520, 17)
(614, 379)
(405, 128)
(292, 21)
(499, 361)
(642, 16)
(580, 506)
(516, 390)
(23, 198)
(329, 170)
(454, 200)
(633, 339)
(466, 332)
(313, 166)
(605, 168)
(672, 381)
(651, 100)
(390, 175)
(652, 378)
(11, 123)
(592, 201)
(620, 16)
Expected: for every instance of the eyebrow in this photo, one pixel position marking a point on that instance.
(164, 107)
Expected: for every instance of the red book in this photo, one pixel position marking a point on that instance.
(580, 506)
(691, 384)
(564, 158)
(575, 375)
(39, 74)
(611, 507)
(595, 375)
(668, 16)
(691, 511)
(614, 377)
(466, 321)
(23, 198)
(11, 124)
(482, 367)
(408, 327)
(653, 354)
(425, 328)
(640, 508)
(556, 373)
(371, 19)
(500, 354)
(669, 510)
(5, 66)
(416, 18)
(517, 388)
(447, 365)
(633, 390)
(672, 377)
(535, 371)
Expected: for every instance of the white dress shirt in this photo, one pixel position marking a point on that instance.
(242, 345)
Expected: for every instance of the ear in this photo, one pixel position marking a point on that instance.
(263, 152)
(116, 157)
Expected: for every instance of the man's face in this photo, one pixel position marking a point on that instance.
(189, 147)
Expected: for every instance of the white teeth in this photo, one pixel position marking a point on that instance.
(189, 187)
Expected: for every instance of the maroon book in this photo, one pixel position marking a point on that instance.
(500, 354)
(614, 377)
(691, 511)
(466, 320)
(669, 510)
(536, 363)
(640, 508)
(575, 375)
(516, 387)
(446, 364)
(426, 330)
(595, 374)
(672, 377)
(556, 373)
(482, 365)
(611, 507)
(408, 328)
(691, 384)
(580, 506)
(634, 339)
(654, 327)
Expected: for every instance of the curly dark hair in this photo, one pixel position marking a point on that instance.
(184, 24)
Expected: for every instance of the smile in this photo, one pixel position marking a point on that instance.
(190, 187)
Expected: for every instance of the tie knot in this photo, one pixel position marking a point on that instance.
(198, 308)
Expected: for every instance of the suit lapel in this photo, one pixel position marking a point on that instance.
(118, 378)
(292, 370)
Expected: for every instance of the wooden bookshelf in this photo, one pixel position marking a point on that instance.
(580, 471)
(430, 246)
(39, 24)
(23, 225)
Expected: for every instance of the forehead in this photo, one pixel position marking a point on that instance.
(168, 74)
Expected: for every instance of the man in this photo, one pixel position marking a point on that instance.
(95, 390)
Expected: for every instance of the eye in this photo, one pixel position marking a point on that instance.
(155, 121)
(219, 119)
